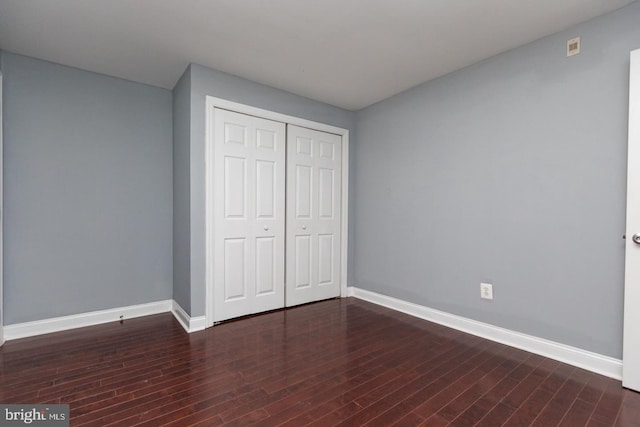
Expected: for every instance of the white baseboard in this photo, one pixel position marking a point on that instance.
(584, 359)
(190, 324)
(57, 324)
(594, 362)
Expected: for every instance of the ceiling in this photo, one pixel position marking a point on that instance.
(348, 53)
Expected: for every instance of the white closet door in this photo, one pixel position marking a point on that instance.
(313, 215)
(249, 209)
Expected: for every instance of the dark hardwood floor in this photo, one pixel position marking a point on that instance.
(339, 362)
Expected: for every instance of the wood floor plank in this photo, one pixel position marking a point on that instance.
(389, 379)
(558, 406)
(410, 386)
(429, 393)
(629, 414)
(607, 408)
(578, 414)
(527, 412)
(387, 374)
(337, 362)
(483, 406)
(498, 415)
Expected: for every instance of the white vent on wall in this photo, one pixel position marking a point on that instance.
(573, 46)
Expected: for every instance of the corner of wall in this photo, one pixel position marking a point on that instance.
(181, 109)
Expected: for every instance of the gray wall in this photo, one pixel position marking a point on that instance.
(88, 191)
(181, 196)
(205, 81)
(511, 171)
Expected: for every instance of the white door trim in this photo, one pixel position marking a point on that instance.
(631, 338)
(211, 104)
(1, 221)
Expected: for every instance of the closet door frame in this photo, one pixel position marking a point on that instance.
(211, 198)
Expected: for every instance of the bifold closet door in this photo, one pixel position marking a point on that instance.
(249, 210)
(313, 215)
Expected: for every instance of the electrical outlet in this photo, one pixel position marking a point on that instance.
(486, 291)
(573, 46)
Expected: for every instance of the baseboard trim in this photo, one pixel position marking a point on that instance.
(594, 362)
(57, 324)
(190, 324)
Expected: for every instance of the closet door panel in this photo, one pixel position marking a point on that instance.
(249, 210)
(313, 215)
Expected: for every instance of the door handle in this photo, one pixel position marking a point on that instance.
(266, 228)
(636, 238)
(304, 227)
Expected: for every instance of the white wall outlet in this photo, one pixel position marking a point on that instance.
(573, 46)
(486, 291)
